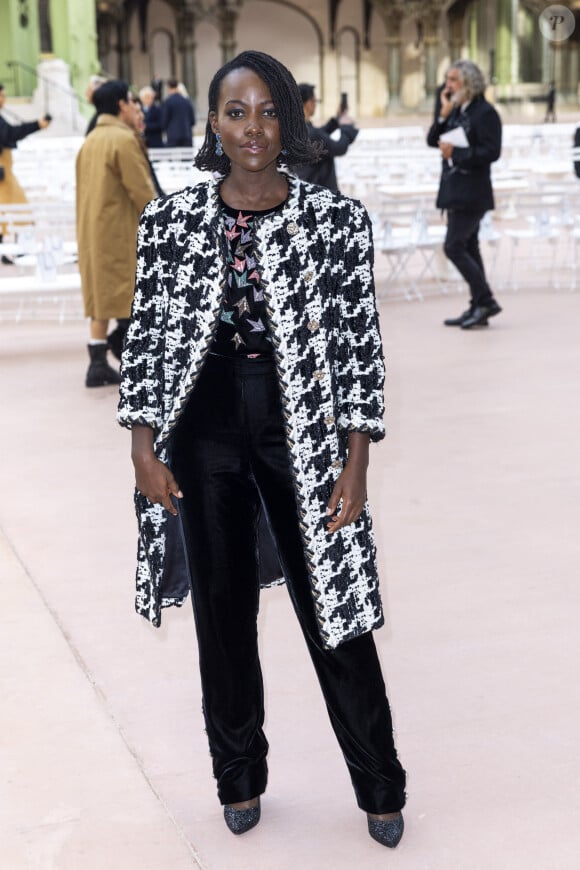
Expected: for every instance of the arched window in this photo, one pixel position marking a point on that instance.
(162, 55)
(347, 47)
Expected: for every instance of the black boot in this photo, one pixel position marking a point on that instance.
(116, 338)
(99, 372)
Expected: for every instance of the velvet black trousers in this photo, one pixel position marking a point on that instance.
(462, 248)
(230, 458)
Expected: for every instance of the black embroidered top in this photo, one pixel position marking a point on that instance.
(242, 328)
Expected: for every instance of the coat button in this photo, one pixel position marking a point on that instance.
(336, 464)
(329, 421)
(318, 375)
(308, 276)
(292, 228)
(313, 325)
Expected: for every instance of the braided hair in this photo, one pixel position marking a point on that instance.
(289, 107)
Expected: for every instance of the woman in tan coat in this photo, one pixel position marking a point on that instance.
(113, 187)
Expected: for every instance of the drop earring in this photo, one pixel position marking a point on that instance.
(219, 148)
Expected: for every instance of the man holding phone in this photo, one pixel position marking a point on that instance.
(467, 131)
(323, 172)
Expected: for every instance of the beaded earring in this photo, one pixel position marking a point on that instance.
(284, 151)
(219, 148)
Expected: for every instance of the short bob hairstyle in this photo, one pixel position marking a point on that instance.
(298, 148)
(106, 98)
(471, 78)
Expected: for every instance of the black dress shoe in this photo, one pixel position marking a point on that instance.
(240, 821)
(480, 314)
(457, 321)
(388, 832)
(493, 308)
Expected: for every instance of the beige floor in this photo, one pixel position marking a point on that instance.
(103, 758)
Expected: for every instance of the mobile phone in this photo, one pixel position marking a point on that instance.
(343, 102)
(48, 117)
(448, 95)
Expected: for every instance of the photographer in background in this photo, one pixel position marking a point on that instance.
(10, 190)
(323, 172)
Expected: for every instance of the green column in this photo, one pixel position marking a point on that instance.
(74, 38)
(503, 42)
(19, 41)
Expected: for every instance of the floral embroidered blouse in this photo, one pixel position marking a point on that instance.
(242, 328)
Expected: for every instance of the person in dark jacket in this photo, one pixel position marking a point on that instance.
(177, 118)
(140, 126)
(465, 190)
(576, 152)
(551, 104)
(323, 172)
(152, 114)
(10, 191)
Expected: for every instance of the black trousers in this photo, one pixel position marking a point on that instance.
(230, 458)
(462, 248)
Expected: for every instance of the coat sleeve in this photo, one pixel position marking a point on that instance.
(135, 174)
(153, 120)
(337, 147)
(359, 369)
(434, 133)
(9, 135)
(165, 115)
(141, 386)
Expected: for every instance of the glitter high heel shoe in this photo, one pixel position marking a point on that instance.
(387, 832)
(240, 821)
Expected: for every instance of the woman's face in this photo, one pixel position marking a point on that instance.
(247, 121)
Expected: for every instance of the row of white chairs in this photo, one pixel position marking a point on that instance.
(540, 251)
(536, 217)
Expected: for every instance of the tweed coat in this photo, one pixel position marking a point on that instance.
(113, 187)
(315, 258)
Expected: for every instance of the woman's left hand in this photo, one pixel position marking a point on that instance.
(351, 485)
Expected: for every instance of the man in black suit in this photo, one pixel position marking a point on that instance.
(465, 190)
(177, 118)
(323, 172)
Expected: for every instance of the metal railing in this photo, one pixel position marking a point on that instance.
(50, 90)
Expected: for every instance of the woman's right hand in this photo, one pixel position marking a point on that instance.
(155, 481)
(153, 478)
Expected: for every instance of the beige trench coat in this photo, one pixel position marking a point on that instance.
(113, 187)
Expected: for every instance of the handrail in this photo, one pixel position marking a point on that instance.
(49, 84)
(68, 91)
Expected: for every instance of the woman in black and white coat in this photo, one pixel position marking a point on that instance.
(252, 381)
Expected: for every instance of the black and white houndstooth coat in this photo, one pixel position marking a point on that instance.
(316, 259)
